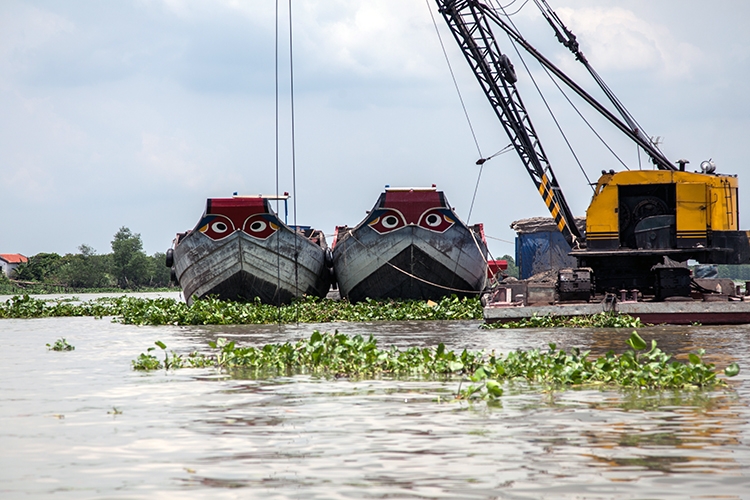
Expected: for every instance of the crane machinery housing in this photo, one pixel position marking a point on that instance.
(639, 222)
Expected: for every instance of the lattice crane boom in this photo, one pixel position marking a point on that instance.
(496, 75)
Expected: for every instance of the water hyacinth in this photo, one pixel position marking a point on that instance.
(25, 307)
(600, 320)
(211, 311)
(307, 310)
(60, 345)
(325, 354)
(339, 355)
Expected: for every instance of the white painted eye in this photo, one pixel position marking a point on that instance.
(390, 221)
(433, 220)
(257, 226)
(219, 227)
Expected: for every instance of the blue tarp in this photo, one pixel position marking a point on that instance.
(542, 251)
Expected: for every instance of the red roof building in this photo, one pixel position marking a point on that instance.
(10, 261)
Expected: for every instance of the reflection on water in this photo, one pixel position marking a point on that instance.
(82, 424)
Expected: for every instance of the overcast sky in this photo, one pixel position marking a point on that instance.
(132, 113)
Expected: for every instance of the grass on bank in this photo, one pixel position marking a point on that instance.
(211, 311)
(338, 355)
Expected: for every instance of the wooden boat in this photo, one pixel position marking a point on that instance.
(240, 250)
(411, 245)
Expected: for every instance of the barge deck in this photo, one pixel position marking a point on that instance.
(727, 312)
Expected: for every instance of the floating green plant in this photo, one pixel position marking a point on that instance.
(339, 355)
(211, 311)
(60, 345)
(25, 307)
(600, 320)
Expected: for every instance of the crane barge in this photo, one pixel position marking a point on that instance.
(639, 223)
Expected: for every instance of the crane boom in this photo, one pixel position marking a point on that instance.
(635, 219)
(493, 69)
(474, 8)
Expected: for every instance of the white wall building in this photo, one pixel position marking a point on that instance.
(10, 261)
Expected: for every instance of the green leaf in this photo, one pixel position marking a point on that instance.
(455, 366)
(440, 349)
(694, 358)
(732, 370)
(161, 344)
(636, 341)
(493, 388)
(478, 375)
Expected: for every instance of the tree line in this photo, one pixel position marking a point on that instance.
(126, 267)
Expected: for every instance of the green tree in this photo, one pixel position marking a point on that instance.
(130, 264)
(42, 268)
(160, 274)
(512, 268)
(735, 272)
(86, 270)
(5, 285)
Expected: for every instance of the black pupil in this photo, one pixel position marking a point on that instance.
(221, 227)
(256, 226)
(432, 219)
(390, 220)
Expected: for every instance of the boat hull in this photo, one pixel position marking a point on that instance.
(409, 264)
(242, 268)
(241, 251)
(411, 246)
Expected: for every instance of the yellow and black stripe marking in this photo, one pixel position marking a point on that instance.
(604, 235)
(691, 234)
(545, 189)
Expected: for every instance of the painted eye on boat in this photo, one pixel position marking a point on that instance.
(386, 221)
(216, 226)
(436, 220)
(433, 220)
(390, 221)
(260, 226)
(257, 226)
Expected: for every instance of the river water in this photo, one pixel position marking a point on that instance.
(83, 424)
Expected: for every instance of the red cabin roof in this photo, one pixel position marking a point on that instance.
(413, 202)
(14, 258)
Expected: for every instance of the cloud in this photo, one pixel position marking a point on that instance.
(616, 39)
(370, 38)
(25, 29)
(170, 159)
(134, 112)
